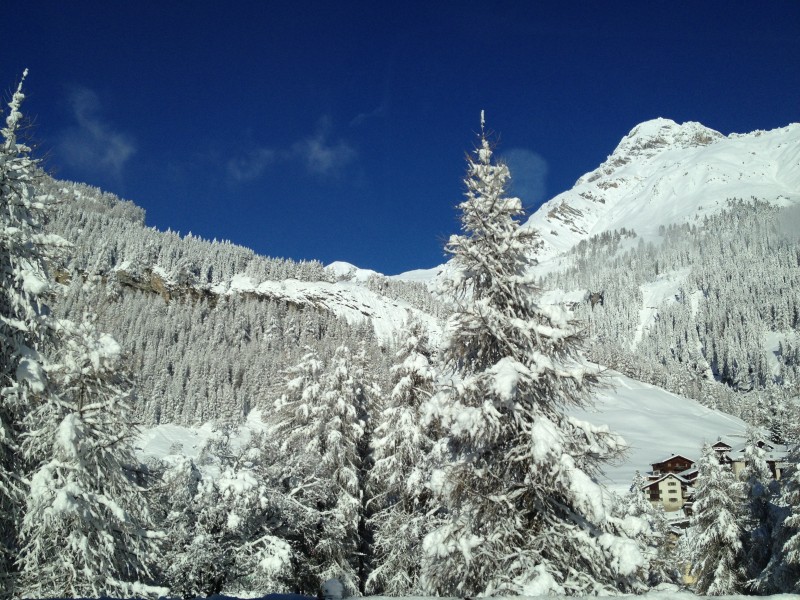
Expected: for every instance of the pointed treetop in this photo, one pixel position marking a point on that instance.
(15, 115)
(485, 151)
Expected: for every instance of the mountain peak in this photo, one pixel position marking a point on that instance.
(662, 133)
(651, 138)
(664, 172)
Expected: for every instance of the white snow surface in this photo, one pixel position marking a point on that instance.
(669, 594)
(30, 370)
(665, 288)
(346, 299)
(346, 271)
(420, 275)
(666, 594)
(655, 424)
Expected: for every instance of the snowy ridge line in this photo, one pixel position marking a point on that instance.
(348, 300)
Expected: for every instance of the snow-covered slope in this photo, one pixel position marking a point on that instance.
(663, 172)
(655, 424)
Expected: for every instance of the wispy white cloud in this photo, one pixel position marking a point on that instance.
(323, 156)
(92, 143)
(251, 166)
(528, 175)
(378, 112)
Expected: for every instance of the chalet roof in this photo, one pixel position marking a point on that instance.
(689, 472)
(772, 452)
(658, 462)
(720, 444)
(663, 477)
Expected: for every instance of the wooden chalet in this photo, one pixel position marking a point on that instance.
(676, 463)
(721, 447)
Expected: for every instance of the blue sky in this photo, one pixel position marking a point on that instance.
(337, 131)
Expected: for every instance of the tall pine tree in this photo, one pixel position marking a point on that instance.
(524, 513)
(25, 336)
(321, 420)
(87, 529)
(398, 479)
(790, 565)
(757, 482)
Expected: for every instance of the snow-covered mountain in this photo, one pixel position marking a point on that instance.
(219, 337)
(663, 172)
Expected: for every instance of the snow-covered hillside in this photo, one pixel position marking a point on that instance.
(660, 173)
(663, 172)
(655, 424)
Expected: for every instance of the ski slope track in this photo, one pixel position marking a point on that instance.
(655, 424)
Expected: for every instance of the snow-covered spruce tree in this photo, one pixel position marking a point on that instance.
(174, 501)
(302, 493)
(524, 513)
(220, 520)
(263, 559)
(321, 422)
(25, 337)
(716, 547)
(398, 479)
(86, 530)
(648, 525)
(788, 576)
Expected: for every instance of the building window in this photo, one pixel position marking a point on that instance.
(672, 483)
